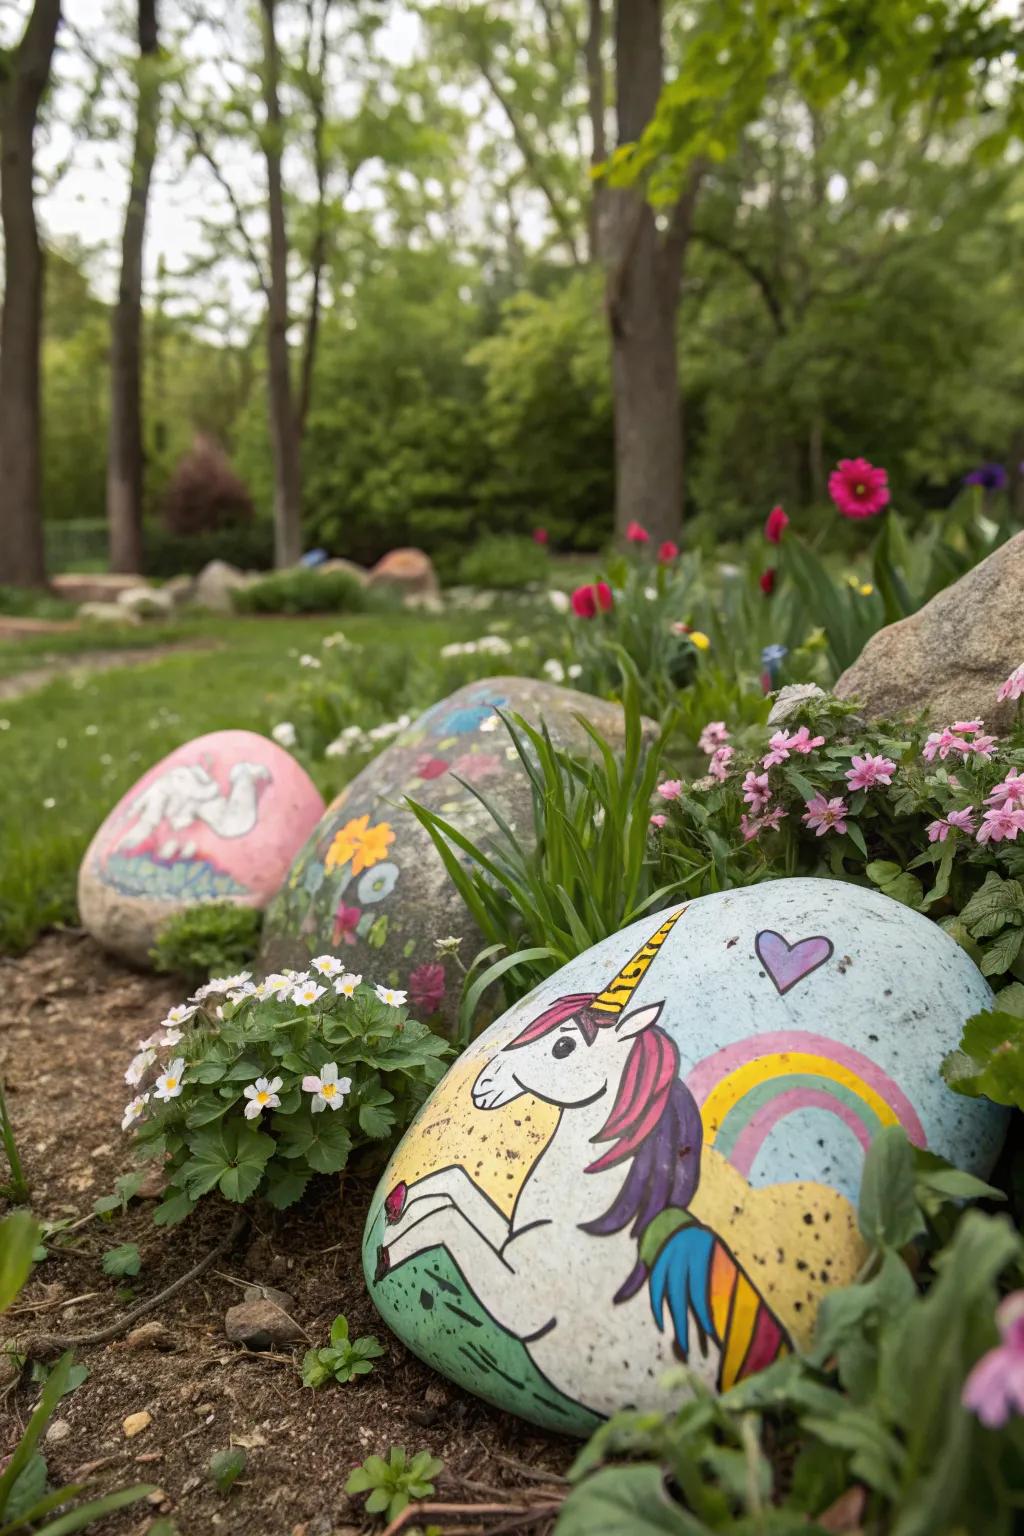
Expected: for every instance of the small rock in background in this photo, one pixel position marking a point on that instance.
(152, 1335)
(58, 1430)
(215, 584)
(135, 1423)
(147, 602)
(261, 1324)
(408, 571)
(268, 1293)
(108, 613)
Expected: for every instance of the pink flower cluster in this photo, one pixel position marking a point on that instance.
(713, 736)
(824, 815)
(719, 764)
(783, 743)
(954, 738)
(995, 1388)
(751, 826)
(1013, 687)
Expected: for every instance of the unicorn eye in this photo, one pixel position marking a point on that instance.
(563, 1047)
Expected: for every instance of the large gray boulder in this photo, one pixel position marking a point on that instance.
(947, 660)
(369, 886)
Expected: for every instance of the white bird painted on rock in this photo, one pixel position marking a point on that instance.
(184, 795)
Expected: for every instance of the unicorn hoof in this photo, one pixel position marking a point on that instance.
(394, 1205)
(383, 1265)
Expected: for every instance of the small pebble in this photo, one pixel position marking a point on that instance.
(135, 1423)
(58, 1430)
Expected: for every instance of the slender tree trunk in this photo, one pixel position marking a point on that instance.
(125, 451)
(644, 277)
(284, 431)
(594, 58)
(22, 553)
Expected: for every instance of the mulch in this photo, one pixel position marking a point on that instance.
(70, 1017)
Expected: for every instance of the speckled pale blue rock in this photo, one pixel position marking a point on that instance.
(656, 1156)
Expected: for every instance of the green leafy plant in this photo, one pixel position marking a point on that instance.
(394, 1482)
(257, 1092)
(640, 608)
(503, 561)
(303, 590)
(226, 1467)
(208, 940)
(25, 1498)
(589, 870)
(870, 1422)
(989, 1061)
(343, 1360)
(17, 1187)
(122, 1261)
(927, 832)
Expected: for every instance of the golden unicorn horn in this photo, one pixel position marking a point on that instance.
(619, 991)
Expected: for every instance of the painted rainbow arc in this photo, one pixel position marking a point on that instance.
(745, 1089)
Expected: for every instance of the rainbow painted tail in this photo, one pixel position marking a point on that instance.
(699, 1278)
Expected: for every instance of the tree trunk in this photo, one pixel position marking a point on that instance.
(284, 433)
(594, 59)
(22, 553)
(642, 296)
(125, 452)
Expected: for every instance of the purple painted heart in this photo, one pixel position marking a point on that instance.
(787, 963)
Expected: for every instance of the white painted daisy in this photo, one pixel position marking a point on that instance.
(307, 993)
(179, 1015)
(139, 1066)
(262, 1094)
(327, 965)
(133, 1109)
(168, 1084)
(345, 986)
(328, 1089)
(390, 995)
(491, 723)
(222, 984)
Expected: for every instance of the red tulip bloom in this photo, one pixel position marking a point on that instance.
(768, 581)
(775, 525)
(587, 600)
(540, 535)
(637, 535)
(668, 552)
(858, 488)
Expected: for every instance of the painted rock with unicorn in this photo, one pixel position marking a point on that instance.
(219, 819)
(655, 1158)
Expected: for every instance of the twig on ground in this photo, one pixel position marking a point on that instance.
(42, 1344)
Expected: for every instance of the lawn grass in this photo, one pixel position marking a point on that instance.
(70, 749)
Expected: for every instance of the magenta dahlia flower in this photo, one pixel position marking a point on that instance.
(859, 489)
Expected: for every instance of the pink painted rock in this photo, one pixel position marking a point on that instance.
(220, 819)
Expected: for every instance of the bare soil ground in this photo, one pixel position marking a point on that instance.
(69, 1020)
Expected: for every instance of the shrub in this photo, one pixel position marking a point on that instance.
(308, 591)
(204, 493)
(504, 561)
(249, 546)
(246, 1074)
(214, 939)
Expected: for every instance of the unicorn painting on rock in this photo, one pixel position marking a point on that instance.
(627, 1145)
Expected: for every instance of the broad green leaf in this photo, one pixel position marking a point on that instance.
(19, 1236)
(123, 1260)
(888, 1213)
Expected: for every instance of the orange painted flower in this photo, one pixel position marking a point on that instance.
(363, 844)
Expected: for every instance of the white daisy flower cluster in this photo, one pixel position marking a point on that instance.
(300, 988)
(354, 737)
(487, 645)
(558, 673)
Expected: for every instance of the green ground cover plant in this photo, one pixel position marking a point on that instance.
(250, 1088)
